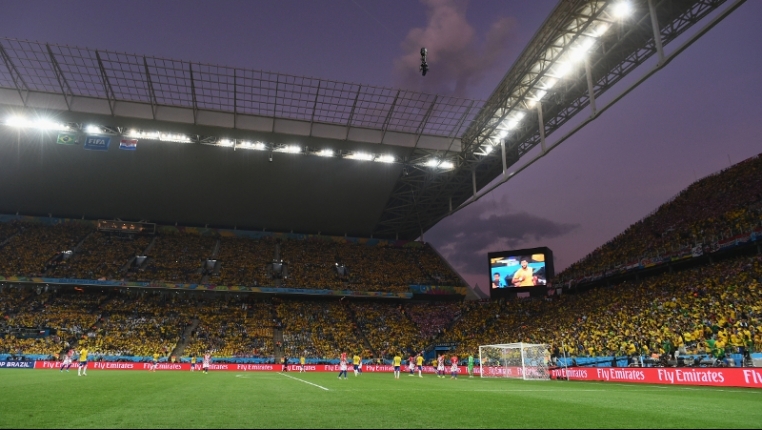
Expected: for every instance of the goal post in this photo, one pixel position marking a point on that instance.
(528, 361)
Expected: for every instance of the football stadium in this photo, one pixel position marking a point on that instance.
(186, 244)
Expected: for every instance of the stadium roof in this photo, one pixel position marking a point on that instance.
(234, 147)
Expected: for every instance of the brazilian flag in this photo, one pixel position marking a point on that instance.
(67, 139)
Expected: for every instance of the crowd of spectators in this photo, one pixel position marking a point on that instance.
(101, 256)
(387, 328)
(29, 252)
(711, 309)
(177, 258)
(712, 209)
(75, 250)
(244, 261)
(433, 318)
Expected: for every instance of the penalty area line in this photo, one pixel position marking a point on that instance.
(306, 382)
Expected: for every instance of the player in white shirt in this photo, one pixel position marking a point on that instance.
(441, 366)
(67, 360)
(207, 362)
(343, 369)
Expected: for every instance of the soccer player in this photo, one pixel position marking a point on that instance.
(411, 365)
(419, 364)
(155, 364)
(207, 361)
(397, 361)
(356, 360)
(301, 364)
(193, 363)
(284, 364)
(67, 360)
(82, 369)
(343, 369)
(454, 367)
(470, 365)
(441, 366)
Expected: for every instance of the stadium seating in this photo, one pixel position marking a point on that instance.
(717, 207)
(101, 256)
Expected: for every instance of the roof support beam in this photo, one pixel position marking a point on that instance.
(657, 30)
(590, 85)
(389, 116)
(314, 107)
(18, 81)
(541, 125)
(193, 94)
(106, 84)
(59, 75)
(154, 103)
(352, 112)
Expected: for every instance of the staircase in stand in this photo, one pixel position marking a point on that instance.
(185, 339)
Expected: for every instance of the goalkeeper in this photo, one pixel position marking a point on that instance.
(470, 365)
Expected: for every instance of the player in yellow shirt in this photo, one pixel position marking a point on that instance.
(193, 363)
(419, 365)
(82, 369)
(155, 364)
(356, 360)
(301, 365)
(397, 362)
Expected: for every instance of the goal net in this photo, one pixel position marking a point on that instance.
(515, 360)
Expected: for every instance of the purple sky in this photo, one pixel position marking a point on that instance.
(684, 123)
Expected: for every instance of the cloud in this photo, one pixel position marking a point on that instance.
(457, 59)
(466, 238)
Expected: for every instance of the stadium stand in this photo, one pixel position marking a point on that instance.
(101, 256)
(714, 208)
(32, 249)
(177, 258)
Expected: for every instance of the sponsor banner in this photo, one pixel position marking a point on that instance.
(207, 287)
(231, 367)
(439, 290)
(128, 144)
(97, 143)
(709, 376)
(66, 139)
(17, 364)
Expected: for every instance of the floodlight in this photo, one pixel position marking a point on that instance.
(42, 124)
(385, 159)
(446, 165)
(433, 162)
(326, 153)
(622, 9)
(169, 137)
(225, 142)
(93, 129)
(259, 146)
(562, 69)
(362, 156)
(502, 134)
(487, 148)
(601, 29)
(292, 149)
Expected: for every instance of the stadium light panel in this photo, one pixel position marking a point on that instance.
(602, 29)
(622, 9)
(385, 159)
(94, 129)
(364, 156)
(326, 153)
(42, 124)
(225, 142)
(446, 165)
(178, 138)
(488, 148)
(292, 149)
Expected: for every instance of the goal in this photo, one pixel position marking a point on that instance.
(526, 361)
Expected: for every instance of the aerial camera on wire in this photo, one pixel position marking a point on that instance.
(424, 65)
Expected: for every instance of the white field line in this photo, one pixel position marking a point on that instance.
(306, 382)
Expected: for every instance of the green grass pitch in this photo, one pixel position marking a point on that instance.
(106, 399)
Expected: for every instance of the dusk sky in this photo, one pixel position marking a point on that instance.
(693, 118)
